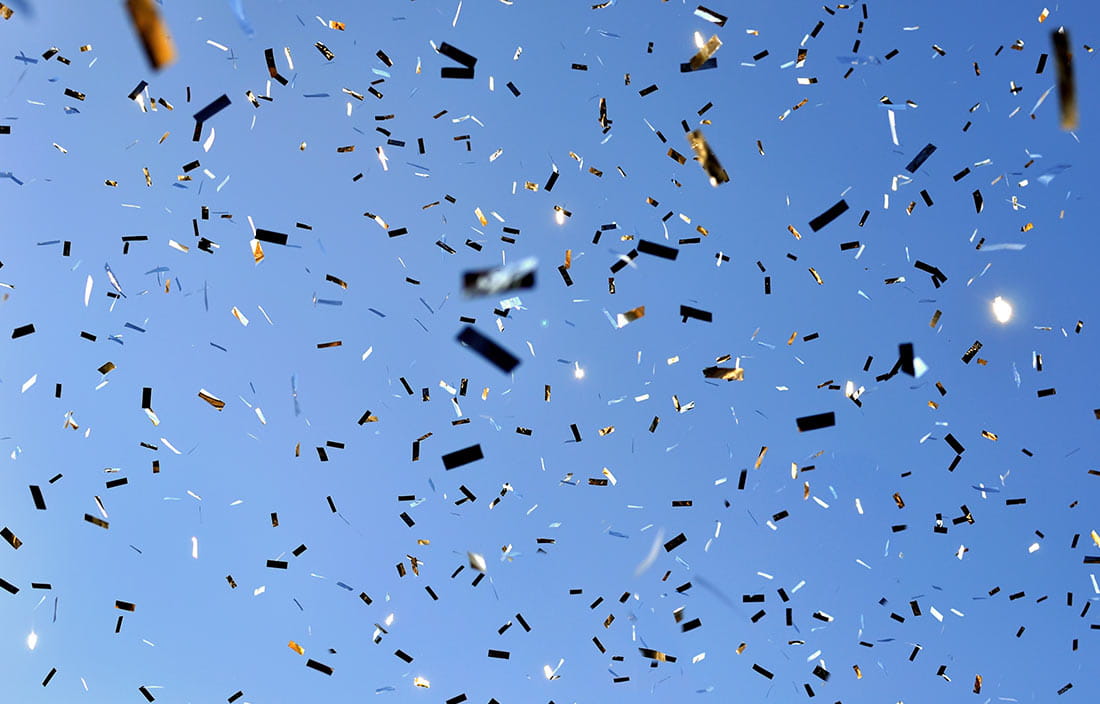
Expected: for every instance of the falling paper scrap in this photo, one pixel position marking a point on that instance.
(1067, 86)
(703, 58)
(816, 422)
(460, 57)
(707, 158)
(458, 458)
(152, 32)
(624, 319)
(835, 211)
(726, 373)
(488, 282)
(491, 351)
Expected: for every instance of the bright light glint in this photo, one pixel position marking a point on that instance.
(32, 640)
(578, 373)
(1002, 310)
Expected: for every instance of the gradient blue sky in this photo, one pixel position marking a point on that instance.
(194, 639)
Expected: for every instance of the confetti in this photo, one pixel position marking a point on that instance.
(390, 216)
(491, 351)
(1067, 87)
(152, 31)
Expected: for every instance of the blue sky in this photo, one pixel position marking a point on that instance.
(836, 522)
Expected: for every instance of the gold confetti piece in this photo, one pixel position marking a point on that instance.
(624, 319)
(859, 672)
(419, 681)
(296, 648)
(707, 159)
(257, 251)
(152, 31)
(817, 277)
(5, 11)
(333, 24)
(211, 399)
(705, 52)
(791, 229)
(726, 373)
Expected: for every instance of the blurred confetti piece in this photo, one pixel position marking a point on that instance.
(1067, 86)
(476, 561)
(707, 158)
(153, 33)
